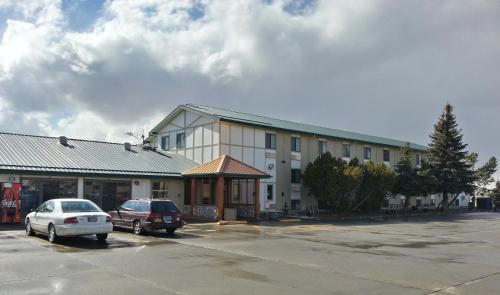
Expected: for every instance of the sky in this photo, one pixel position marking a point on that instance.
(99, 69)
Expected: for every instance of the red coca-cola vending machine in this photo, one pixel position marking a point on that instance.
(10, 211)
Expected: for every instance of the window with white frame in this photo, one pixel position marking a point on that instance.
(270, 196)
(322, 146)
(346, 150)
(165, 142)
(295, 144)
(180, 141)
(418, 160)
(159, 189)
(387, 156)
(367, 155)
(270, 141)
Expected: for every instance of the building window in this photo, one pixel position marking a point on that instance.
(367, 153)
(418, 160)
(180, 142)
(270, 196)
(433, 202)
(270, 141)
(346, 150)
(295, 204)
(295, 144)
(295, 175)
(387, 156)
(322, 147)
(159, 190)
(165, 143)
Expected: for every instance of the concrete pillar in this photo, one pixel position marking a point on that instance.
(257, 198)
(220, 197)
(193, 194)
(79, 188)
(229, 190)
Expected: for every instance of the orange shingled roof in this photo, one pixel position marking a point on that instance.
(226, 166)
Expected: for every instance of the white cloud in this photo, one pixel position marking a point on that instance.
(380, 67)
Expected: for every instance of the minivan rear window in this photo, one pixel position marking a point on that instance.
(78, 206)
(163, 207)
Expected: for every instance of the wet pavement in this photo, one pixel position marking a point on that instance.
(454, 255)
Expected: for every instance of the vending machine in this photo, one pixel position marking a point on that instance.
(9, 203)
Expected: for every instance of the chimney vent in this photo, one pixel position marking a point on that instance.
(127, 146)
(63, 140)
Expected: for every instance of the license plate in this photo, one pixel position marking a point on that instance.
(92, 219)
(168, 219)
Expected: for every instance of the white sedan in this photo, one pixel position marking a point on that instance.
(69, 217)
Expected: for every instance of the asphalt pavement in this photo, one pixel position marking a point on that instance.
(448, 255)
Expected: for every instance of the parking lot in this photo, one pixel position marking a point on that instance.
(454, 255)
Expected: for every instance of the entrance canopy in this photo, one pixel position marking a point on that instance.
(224, 188)
(227, 167)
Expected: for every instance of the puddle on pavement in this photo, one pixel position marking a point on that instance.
(247, 275)
(81, 244)
(412, 244)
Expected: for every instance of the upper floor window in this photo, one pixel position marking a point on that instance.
(387, 156)
(295, 144)
(165, 145)
(295, 176)
(418, 160)
(322, 146)
(270, 141)
(367, 153)
(346, 150)
(180, 142)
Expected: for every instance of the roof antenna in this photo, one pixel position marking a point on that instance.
(141, 138)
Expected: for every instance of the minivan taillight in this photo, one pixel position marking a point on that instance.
(108, 219)
(178, 216)
(71, 220)
(152, 216)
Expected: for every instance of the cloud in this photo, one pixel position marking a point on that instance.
(378, 67)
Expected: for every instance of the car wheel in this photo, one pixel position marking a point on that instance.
(52, 234)
(29, 229)
(102, 237)
(137, 227)
(171, 231)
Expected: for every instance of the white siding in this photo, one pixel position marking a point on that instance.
(236, 152)
(207, 135)
(248, 136)
(198, 136)
(198, 155)
(224, 133)
(248, 156)
(260, 138)
(236, 135)
(207, 154)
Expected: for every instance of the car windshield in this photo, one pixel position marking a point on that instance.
(79, 206)
(163, 207)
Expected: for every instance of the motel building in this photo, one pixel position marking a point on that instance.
(213, 163)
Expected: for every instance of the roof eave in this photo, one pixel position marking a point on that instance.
(222, 119)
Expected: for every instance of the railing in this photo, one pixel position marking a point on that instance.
(243, 210)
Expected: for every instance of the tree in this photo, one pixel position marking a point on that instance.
(495, 192)
(448, 158)
(405, 182)
(477, 181)
(343, 187)
(331, 180)
(377, 181)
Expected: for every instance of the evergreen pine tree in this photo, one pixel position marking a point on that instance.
(448, 158)
(405, 182)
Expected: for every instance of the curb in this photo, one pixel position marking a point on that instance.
(232, 222)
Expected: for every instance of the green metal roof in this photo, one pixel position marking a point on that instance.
(43, 154)
(270, 123)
